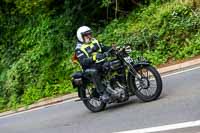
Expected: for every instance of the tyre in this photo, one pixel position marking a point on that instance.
(149, 87)
(91, 99)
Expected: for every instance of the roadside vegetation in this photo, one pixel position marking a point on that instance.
(37, 39)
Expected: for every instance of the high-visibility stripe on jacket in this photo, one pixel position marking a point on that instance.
(87, 52)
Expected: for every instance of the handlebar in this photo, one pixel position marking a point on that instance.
(118, 49)
(127, 49)
(108, 52)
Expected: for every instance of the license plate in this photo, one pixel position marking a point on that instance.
(128, 59)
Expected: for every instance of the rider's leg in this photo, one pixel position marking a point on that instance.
(95, 77)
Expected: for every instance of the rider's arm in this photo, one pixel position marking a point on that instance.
(105, 48)
(83, 59)
(97, 45)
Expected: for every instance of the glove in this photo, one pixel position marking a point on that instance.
(105, 54)
(114, 46)
(100, 56)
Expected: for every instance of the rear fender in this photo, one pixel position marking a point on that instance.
(77, 82)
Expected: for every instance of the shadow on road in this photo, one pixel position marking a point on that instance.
(133, 101)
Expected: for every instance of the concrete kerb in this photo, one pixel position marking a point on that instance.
(74, 95)
(179, 66)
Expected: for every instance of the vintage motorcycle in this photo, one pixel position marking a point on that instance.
(123, 78)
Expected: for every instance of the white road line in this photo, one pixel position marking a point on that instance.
(165, 127)
(183, 71)
(14, 114)
(168, 75)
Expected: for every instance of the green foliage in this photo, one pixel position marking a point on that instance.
(106, 3)
(37, 66)
(28, 7)
(35, 54)
(169, 31)
(2, 103)
(31, 95)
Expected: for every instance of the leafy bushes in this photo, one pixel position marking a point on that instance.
(35, 55)
(168, 32)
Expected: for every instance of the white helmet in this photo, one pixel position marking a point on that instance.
(81, 31)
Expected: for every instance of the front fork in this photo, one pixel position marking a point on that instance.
(132, 73)
(135, 73)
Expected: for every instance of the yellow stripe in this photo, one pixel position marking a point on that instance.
(95, 41)
(98, 61)
(94, 57)
(83, 47)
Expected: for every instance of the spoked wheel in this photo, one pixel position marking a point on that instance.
(149, 86)
(91, 99)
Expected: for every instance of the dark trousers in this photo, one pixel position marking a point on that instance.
(94, 74)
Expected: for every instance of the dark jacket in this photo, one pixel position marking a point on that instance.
(85, 52)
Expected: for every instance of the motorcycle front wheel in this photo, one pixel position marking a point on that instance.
(149, 86)
(91, 99)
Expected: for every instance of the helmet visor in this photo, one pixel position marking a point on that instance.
(88, 33)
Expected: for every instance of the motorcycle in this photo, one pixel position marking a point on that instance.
(123, 78)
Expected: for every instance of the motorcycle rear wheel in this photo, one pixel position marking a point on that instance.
(92, 101)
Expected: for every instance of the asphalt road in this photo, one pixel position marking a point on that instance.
(179, 102)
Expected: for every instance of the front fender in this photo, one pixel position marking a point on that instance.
(142, 63)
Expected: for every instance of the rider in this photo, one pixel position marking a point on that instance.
(90, 54)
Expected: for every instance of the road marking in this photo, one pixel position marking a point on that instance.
(18, 113)
(183, 71)
(10, 115)
(165, 127)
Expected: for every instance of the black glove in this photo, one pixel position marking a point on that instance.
(106, 54)
(100, 56)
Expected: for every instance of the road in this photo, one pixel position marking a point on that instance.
(179, 103)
